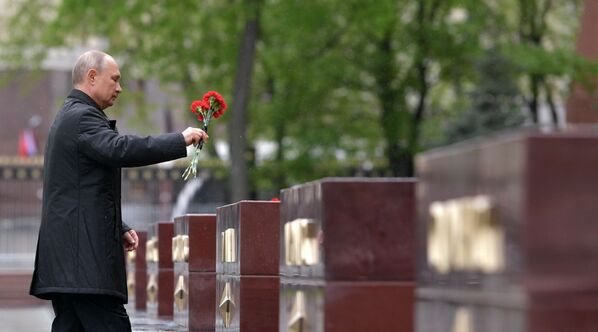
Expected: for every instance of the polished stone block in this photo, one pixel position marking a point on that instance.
(349, 229)
(247, 238)
(247, 303)
(160, 293)
(513, 217)
(505, 233)
(194, 255)
(345, 306)
(160, 283)
(140, 272)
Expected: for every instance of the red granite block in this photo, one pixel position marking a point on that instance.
(347, 306)
(359, 229)
(140, 256)
(541, 215)
(165, 292)
(201, 232)
(164, 231)
(256, 237)
(140, 289)
(202, 301)
(255, 303)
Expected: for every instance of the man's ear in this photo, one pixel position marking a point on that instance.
(91, 76)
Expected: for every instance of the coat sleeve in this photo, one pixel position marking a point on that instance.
(126, 227)
(99, 142)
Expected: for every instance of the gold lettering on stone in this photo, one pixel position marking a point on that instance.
(301, 242)
(180, 294)
(464, 235)
(152, 288)
(463, 322)
(227, 305)
(131, 257)
(175, 249)
(180, 248)
(228, 247)
(185, 248)
(131, 283)
(298, 317)
(151, 250)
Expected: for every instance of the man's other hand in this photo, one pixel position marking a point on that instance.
(130, 240)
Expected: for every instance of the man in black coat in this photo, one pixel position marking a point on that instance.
(79, 263)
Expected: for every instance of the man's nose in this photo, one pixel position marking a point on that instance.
(118, 88)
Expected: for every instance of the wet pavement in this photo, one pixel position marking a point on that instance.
(39, 319)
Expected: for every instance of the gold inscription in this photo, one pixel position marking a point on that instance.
(227, 305)
(301, 242)
(465, 236)
(180, 294)
(297, 317)
(131, 284)
(131, 257)
(175, 249)
(463, 321)
(228, 246)
(151, 250)
(180, 248)
(152, 288)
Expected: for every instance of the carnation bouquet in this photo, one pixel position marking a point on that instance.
(211, 105)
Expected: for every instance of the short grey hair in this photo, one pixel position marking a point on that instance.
(85, 62)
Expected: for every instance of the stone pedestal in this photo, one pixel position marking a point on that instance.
(247, 283)
(194, 255)
(347, 255)
(137, 274)
(506, 235)
(160, 270)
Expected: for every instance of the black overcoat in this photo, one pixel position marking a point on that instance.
(79, 248)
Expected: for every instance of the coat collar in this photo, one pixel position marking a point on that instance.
(82, 96)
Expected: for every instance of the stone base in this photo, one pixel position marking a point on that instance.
(346, 306)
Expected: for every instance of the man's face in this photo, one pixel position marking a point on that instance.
(107, 84)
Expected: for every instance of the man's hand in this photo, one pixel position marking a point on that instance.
(130, 240)
(194, 135)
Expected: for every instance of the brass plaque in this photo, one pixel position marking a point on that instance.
(465, 236)
(175, 249)
(180, 294)
(463, 322)
(227, 305)
(151, 250)
(301, 242)
(131, 257)
(228, 247)
(185, 248)
(131, 283)
(297, 318)
(180, 248)
(152, 288)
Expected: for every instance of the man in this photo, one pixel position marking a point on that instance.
(79, 263)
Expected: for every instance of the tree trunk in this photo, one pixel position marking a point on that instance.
(238, 126)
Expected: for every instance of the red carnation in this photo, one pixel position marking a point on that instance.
(211, 105)
(195, 105)
(215, 100)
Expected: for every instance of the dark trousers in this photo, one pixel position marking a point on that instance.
(89, 313)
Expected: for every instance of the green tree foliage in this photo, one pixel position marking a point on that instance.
(333, 85)
(495, 101)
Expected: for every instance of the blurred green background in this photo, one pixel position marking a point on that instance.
(331, 87)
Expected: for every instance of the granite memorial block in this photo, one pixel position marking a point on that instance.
(247, 281)
(194, 255)
(347, 258)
